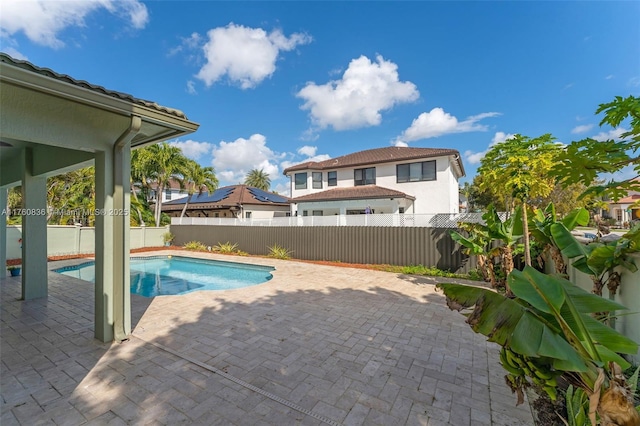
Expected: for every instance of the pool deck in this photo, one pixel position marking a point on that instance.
(315, 345)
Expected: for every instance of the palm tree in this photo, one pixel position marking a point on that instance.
(198, 179)
(160, 164)
(258, 179)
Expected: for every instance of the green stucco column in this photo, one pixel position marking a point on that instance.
(112, 288)
(104, 247)
(121, 254)
(34, 232)
(3, 232)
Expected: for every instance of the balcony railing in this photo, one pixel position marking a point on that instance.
(443, 220)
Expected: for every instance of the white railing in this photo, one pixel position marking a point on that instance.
(408, 220)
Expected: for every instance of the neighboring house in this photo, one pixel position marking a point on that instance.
(171, 192)
(626, 209)
(383, 180)
(235, 201)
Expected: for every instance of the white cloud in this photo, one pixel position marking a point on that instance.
(356, 100)
(437, 122)
(233, 160)
(568, 86)
(634, 82)
(581, 129)
(609, 77)
(309, 153)
(14, 53)
(41, 21)
(501, 137)
(401, 144)
(191, 88)
(283, 188)
(193, 42)
(611, 134)
(476, 157)
(193, 149)
(245, 55)
(307, 150)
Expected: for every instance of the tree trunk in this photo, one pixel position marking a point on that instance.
(184, 209)
(159, 203)
(558, 260)
(525, 228)
(507, 267)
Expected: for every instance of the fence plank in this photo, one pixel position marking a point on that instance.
(431, 247)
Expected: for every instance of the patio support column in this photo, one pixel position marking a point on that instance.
(121, 237)
(113, 294)
(104, 247)
(34, 232)
(3, 232)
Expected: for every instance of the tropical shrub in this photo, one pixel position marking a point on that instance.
(278, 252)
(195, 245)
(226, 248)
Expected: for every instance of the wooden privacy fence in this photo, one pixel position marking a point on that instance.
(431, 247)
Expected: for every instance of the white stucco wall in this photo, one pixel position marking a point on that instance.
(437, 196)
(65, 240)
(628, 295)
(262, 212)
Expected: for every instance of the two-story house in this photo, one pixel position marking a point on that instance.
(383, 180)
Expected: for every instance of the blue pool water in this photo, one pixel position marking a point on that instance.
(163, 275)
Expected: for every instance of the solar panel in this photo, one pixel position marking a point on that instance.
(266, 197)
(216, 196)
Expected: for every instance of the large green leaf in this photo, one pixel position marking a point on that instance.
(474, 248)
(587, 302)
(576, 217)
(543, 292)
(512, 323)
(566, 242)
(493, 315)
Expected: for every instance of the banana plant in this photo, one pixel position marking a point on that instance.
(476, 242)
(599, 259)
(540, 229)
(548, 319)
(506, 233)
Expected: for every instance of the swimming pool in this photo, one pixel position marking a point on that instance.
(171, 275)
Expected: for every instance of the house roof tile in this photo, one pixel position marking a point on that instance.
(375, 156)
(365, 192)
(228, 196)
(84, 84)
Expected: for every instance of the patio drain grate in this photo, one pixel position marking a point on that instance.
(242, 383)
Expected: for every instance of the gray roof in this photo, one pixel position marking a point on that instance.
(86, 85)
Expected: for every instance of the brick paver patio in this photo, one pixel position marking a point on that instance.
(315, 345)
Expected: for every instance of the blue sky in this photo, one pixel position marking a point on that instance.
(277, 83)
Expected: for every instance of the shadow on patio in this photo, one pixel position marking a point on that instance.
(364, 355)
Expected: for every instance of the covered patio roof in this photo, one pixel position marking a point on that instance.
(52, 123)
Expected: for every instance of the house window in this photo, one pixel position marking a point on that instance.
(401, 210)
(167, 193)
(364, 176)
(415, 172)
(247, 215)
(332, 179)
(305, 213)
(301, 180)
(317, 180)
(316, 213)
(216, 215)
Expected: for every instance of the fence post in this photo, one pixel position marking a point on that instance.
(77, 239)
